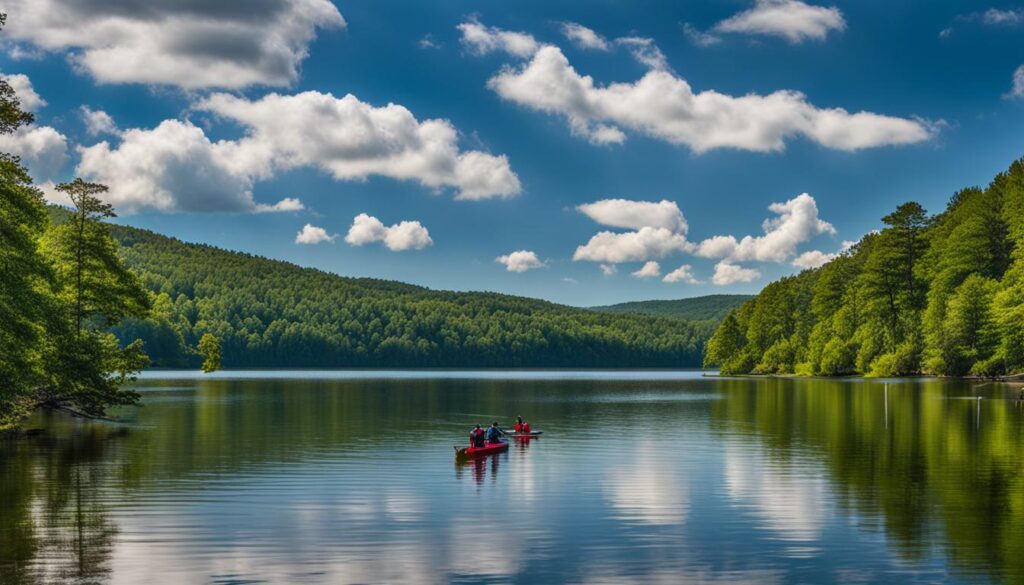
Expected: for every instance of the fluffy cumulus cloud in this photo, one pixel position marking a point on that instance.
(796, 222)
(406, 235)
(817, 258)
(584, 38)
(609, 269)
(664, 106)
(311, 234)
(97, 122)
(353, 140)
(520, 261)
(727, 273)
(1017, 89)
(176, 167)
(682, 274)
(626, 213)
(813, 259)
(22, 86)
(660, 230)
(43, 150)
(173, 168)
(481, 40)
(638, 246)
(792, 20)
(169, 42)
(650, 269)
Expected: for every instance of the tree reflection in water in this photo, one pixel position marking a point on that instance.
(54, 526)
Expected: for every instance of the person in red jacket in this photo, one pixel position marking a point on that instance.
(476, 437)
(526, 428)
(519, 424)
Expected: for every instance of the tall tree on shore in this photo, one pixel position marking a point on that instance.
(87, 365)
(25, 276)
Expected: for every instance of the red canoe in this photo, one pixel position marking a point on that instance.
(487, 449)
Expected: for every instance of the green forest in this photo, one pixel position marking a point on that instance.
(706, 308)
(929, 294)
(267, 313)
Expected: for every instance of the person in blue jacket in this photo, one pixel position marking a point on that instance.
(494, 433)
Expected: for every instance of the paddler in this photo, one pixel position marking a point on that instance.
(519, 424)
(476, 437)
(494, 433)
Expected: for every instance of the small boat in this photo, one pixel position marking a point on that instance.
(528, 435)
(487, 449)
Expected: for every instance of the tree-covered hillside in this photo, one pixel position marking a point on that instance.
(707, 308)
(268, 313)
(940, 294)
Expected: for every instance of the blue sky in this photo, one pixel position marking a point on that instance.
(659, 132)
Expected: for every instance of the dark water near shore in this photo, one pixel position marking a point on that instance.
(639, 478)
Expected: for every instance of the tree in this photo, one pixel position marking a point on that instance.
(725, 344)
(87, 367)
(25, 276)
(209, 348)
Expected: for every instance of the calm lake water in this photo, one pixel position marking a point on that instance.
(654, 477)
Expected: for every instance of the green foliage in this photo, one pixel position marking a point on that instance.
(267, 313)
(939, 295)
(209, 348)
(707, 308)
(25, 298)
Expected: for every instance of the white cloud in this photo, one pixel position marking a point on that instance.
(428, 42)
(520, 261)
(817, 258)
(727, 273)
(192, 45)
(407, 235)
(638, 246)
(481, 40)
(352, 140)
(997, 17)
(43, 150)
(98, 122)
(173, 168)
(1017, 91)
(585, 38)
(682, 274)
(793, 20)
(797, 221)
(286, 204)
(813, 259)
(645, 52)
(699, 37)
(609, 269)
(650, 269)
(311, 234)
(22, 86)
(626, 213)
(665, 107)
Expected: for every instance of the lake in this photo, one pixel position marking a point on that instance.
(640, 477)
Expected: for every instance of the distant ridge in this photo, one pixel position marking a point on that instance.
(269, 313)
(706, 308)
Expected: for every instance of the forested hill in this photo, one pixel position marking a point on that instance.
(707, 308)
(269, 313)
(941, 294)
